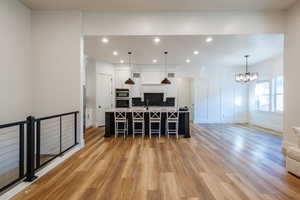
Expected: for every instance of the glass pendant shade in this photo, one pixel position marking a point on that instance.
(129, 81)
(248, 76)
(254, 76)
(166, 81)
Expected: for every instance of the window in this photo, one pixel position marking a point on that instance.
(269, 95)
(262, 95)
(277, 94)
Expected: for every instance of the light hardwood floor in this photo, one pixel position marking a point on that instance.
(219, 162)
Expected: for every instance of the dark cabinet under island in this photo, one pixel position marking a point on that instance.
(183, 126)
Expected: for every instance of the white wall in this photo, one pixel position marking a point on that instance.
(185, 96)
(267, 71)
(41, 57)
(15, 79)
(218, 98)
(184, 92)
(291, 74)
(56, 61)
(182, 23)
(105, 68)
(15, 70)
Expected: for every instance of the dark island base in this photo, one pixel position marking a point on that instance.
(184, 125)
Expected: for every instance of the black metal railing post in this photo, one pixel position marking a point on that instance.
(75, 127)
(21, 151)
(30, 149)
(38, 144)
(60, 135)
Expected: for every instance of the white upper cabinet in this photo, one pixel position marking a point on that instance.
(147, 82)
(121, 77)
(148, 78)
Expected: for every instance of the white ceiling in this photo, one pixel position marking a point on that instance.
(160, 5)
(223, 51)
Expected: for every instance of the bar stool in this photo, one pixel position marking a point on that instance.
(172, 119)
(138, 119)
(154, 119)
(121, 123)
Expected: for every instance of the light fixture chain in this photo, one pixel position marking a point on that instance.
(165, 63)
(130, 66)
(246, 63)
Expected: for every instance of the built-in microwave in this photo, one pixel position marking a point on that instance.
(122, 93)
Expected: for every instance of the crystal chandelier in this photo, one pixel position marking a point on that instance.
(248, 76)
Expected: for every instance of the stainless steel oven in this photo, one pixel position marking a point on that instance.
(122, 98)
(122, 103)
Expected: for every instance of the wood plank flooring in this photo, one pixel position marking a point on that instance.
(227, 162)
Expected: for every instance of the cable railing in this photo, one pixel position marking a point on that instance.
(55, 135)
(12, 154)
(27, 146)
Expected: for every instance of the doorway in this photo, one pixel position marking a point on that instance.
(103, 97)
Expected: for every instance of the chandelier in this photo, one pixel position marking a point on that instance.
(248, 76)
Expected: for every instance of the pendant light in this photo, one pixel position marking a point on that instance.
(166, 80)
(129, 81)
(246, 77)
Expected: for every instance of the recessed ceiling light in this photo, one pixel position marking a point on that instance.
(104, 40)
(115, 53)
(196, 52)
(154, 61)
(156, 40)
(122, 61)
(187, 60)
(209, 39)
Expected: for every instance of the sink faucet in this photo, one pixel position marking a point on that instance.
(147, 104)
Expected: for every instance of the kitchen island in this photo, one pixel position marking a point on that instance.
(183, 129)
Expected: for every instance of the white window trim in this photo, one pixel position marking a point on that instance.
(270, 96)
(274, 94)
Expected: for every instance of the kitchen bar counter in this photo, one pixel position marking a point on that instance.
(184, 126)
(142, 109)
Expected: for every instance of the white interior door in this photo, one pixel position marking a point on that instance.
(104, 96)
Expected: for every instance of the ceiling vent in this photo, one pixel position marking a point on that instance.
(136, 75)
(171, 75)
